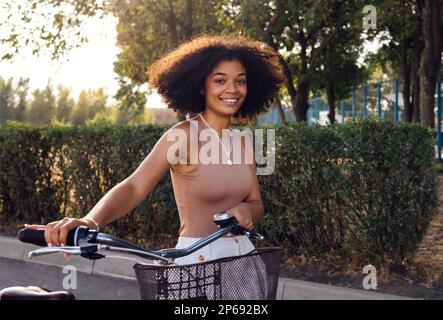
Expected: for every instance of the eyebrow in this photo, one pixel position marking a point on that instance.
(224, 74)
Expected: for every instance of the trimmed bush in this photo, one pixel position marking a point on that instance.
(363, 189)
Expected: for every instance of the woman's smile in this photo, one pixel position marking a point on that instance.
(230, 101)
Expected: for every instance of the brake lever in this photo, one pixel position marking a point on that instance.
(226, 219)
(253, 235)
(86, 250)
(50, 250)
(250, 234)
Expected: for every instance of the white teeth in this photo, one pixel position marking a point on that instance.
(230, 100)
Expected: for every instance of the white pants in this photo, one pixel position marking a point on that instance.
(246, 279)
(220, 248)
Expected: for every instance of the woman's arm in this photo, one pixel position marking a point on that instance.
(120, 200)
(129, 193)
(251, 210)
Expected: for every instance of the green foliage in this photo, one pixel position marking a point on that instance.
(65, 105)
(149, 29)
(363, 189)
(42, 106)
(398, 29)
(41, 25)
(6, 100)
(319, 40)
(51, 172)
(90, 103)
(46, 108)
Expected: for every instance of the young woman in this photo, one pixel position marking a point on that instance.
(215, 78)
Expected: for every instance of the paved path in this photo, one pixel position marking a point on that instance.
(115, 279)
(21, 273)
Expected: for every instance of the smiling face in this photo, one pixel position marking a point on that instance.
(226, 88)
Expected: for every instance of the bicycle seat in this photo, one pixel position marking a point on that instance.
(34, 293)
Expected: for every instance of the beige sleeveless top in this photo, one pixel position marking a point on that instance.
(206, 190)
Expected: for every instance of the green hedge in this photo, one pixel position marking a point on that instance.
(363, 189)
(48, 173)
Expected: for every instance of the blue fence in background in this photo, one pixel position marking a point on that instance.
(380, 100)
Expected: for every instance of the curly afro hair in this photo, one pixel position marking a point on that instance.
(181, 74)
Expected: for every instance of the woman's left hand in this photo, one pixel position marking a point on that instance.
(243, 215)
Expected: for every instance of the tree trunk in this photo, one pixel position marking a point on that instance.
(301, 101)
(289, 83)
(430, 62)
(287, 72)
(281, 112)
(405, 73)
(288, 75)
(415, 97)
(172, 26)
(415, 81)
(330, 93)
(415, 64)
(187, 26)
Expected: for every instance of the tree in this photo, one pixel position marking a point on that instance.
(302, 30)
(42, 106)
(399, 29)
(40, 25)
(338, 72)
(13, 100)
(147, 30)
(133, 117)
(431, 59)
(266, 21)
(412, 31)
(90, 103)
(6, 100)
(65, 105)
(22, 94)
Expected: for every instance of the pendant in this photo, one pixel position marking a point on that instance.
(229, 162)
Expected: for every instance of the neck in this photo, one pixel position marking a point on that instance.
(217, 121)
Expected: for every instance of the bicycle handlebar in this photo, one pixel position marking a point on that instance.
(37, 237)
(87, 243)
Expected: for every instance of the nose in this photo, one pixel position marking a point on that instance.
(232, 87)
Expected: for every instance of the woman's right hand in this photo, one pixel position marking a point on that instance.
(56, 232)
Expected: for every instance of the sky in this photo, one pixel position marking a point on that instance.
(87, 67)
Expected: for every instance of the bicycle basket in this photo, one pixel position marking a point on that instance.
(253, 276)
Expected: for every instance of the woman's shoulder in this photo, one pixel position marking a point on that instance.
(185, 124)
(182, 130)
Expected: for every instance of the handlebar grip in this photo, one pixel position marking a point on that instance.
(37, 237)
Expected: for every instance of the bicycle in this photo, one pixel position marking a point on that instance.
(251, 276)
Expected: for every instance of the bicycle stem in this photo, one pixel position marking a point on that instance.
(176, 253)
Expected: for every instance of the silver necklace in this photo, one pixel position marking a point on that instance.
(228, 153)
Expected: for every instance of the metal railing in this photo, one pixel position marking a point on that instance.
(377, 100)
